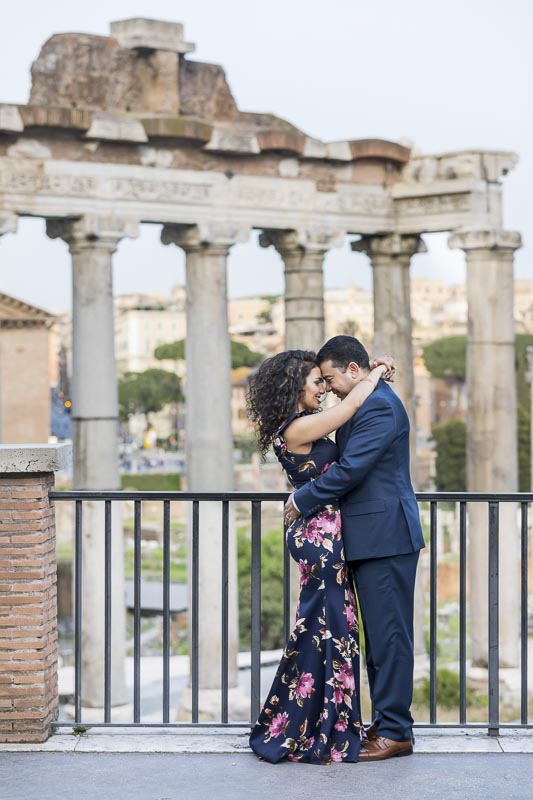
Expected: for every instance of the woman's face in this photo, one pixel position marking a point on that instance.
(313, 391)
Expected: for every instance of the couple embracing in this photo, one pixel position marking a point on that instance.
(352, 525)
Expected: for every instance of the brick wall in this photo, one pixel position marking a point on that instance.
(28, 608)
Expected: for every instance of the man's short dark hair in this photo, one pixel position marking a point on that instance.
(341, 351)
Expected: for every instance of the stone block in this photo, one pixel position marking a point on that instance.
(10, 119)
(339, 151)
(116, 128)
(379, 148)
(34, 457)
(151, 34)
(313, 148)
(227, 141)
(54, 117)
(290, 141)
(177, 128)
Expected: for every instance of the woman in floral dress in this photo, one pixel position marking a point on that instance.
(312, 712)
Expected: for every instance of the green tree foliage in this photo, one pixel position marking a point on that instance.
(241, 355)
(174, 351)
(147, 392)
(450, 467)
(523, 395)
(446, 358)
(264, 317)
(271, 588)
(448, 692)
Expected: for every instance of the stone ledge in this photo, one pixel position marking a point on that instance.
(29, 458)
(235, 741)
(177, 127)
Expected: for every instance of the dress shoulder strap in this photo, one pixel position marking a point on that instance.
(288, 421)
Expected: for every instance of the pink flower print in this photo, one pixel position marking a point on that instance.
(305, 572)
(309, 743)
(341, 725)
(351, 598)
(338, 694)
(328, 523)
(305, 685)
(350, 617)
(335, 755)
(345, 676)
(278, 724)
(312, 533)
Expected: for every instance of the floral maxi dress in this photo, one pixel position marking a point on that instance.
(312, 711)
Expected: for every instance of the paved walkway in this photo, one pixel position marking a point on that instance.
(193, 764)
(157, 776)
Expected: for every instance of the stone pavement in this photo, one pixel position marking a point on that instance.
(158, 776)
(193, 764)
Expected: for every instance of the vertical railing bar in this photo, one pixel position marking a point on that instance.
(523, 613)
(433, 614)
(286, 589)
(195, 577)
(137, 611)
(462, 612)
(493, 600)
(225, 611)
(107, 632)
(256, 611)
(77, 608)
(166, 610)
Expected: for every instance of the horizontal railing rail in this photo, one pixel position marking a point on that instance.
(255, 501)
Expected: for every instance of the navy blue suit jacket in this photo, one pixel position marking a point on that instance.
(371, 478)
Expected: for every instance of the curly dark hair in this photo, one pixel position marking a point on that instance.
(274, 391)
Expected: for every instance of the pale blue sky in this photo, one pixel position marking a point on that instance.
(445, 75)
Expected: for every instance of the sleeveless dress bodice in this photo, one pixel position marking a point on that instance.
(303, 467)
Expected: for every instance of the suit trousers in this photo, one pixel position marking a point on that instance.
(385, 589)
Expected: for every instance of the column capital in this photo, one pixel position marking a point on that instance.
(92, 232)
(390, 245)
(8, 223)
(205, 237)
(316, 241)
(485, 240)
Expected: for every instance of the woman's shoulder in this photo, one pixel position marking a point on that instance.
(284, 425)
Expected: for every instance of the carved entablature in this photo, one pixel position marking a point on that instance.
(456, 166)
(165, 142)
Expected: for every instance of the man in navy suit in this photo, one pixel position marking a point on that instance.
(382, 537)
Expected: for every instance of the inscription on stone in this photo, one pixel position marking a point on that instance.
(34, 181)
(435, 204)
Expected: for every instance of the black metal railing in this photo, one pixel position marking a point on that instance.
(255, 500)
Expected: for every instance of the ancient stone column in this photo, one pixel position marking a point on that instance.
(303, 255)
(390, 256)
(209, 445)
(92, 242)
(492, 463)
(8, 224)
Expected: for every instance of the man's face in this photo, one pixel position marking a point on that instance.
(339, 382)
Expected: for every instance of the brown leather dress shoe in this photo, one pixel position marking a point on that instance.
(380, 748)
(371, 731)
